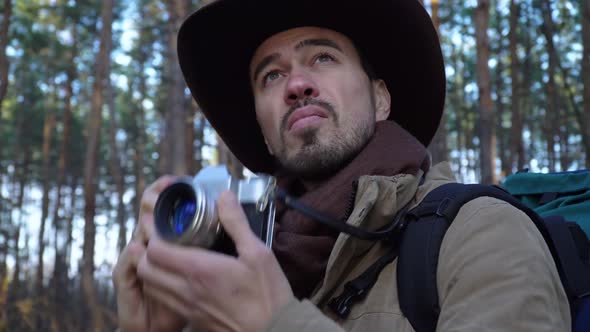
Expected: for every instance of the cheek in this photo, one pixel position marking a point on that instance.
(351, 86)
(356, 101)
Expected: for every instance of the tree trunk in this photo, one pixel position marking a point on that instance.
(4, 29)
(22, 155)
(4, 64)
(60, 291)
(164, 152)
(517, 144)
(139, 116)
(438, 147)
(91, 166)
(48, 128)
(21, 179)
(59, 285)
(12, 313)
(176, 114)
(194, 142)
(565, 119)
(5, 202)
(564, 133)
(70, 221)
(115, 165)
(434, 4)
(67, 124)
(200, 138)
(552, 110)
(486, 125)
(191, 116)
(227, 158)
(526, 85)
(559, 123)
(138, 160)
(17, 261)
(60, 272)
(586, 71)
(457, 99)
(503, 138)
(6, 235)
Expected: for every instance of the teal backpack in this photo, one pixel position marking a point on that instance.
(566, 194)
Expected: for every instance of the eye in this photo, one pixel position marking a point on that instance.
(324, 57)
(270, 76)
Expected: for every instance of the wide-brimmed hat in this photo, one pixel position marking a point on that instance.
(397, 38)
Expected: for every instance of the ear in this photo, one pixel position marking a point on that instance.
(382, 100)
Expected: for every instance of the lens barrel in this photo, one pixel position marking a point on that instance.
(185, 215)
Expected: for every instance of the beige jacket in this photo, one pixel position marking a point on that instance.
(495, 272)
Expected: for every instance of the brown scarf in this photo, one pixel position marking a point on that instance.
(302, 245)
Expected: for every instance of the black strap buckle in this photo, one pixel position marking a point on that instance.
(356, 289)
(341, 304)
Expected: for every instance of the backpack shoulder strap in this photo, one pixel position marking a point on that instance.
(420, 246)
(426, 228)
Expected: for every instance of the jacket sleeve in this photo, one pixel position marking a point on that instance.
(300, 316)
(496, 273)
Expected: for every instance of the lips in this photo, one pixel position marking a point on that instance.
(305, 112)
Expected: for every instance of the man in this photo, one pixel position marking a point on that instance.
(336, 100)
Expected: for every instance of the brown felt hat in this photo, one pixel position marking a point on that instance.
(397, 37)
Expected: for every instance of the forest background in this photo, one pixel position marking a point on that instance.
(93, 108)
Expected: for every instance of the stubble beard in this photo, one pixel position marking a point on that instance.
(317, 159)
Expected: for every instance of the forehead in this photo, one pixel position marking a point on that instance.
(286, 41)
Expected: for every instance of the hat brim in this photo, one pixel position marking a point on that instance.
(217, 42)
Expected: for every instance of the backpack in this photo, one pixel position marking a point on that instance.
(557, 203)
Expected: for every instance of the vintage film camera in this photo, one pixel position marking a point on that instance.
(185, 212)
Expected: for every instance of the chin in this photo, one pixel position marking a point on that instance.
(317, 164)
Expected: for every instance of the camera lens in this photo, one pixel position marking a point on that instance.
(175, 210)
(183, 215)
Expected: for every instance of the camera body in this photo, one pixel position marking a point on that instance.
(186, 213)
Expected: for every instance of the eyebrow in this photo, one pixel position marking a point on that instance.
(318, 42)
(267, 60)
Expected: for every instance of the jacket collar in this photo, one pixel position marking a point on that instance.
(378, 199)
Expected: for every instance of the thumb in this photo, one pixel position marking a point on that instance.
(235, 223)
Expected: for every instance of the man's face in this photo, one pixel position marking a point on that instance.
(314, 102)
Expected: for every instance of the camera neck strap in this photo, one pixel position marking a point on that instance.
(387, 233)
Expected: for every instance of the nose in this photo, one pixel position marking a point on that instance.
(300, 86)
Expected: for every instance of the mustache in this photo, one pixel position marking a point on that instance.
(305, 102)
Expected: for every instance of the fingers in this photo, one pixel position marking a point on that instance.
(125, 271)
(188, 261)
(150, 195)
(161, 297)
(145, 226)
(172, 284)
(235, 223)
(162, 317)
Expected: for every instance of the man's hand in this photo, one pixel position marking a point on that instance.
(135, 311)
(213, 291)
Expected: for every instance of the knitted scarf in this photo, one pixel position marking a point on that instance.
(302, 245)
